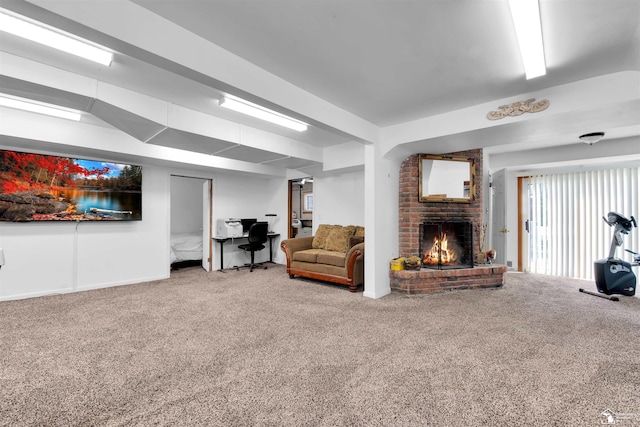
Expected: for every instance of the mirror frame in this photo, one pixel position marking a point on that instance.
(472, 179)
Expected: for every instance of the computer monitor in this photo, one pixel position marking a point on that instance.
(246, 223)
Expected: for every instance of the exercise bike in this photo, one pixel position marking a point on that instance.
(614, 275)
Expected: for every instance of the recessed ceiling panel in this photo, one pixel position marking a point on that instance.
(293, 163)
(249, 154)
(190, 141)
(25, 89)
(131, 124)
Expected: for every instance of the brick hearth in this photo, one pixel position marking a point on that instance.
(412, 213)
(425, 280)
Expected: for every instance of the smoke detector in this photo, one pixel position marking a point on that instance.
(591, 138)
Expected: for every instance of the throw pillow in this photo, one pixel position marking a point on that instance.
(338, 239)
(321, 235)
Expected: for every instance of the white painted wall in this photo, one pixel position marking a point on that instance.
(48, 258)
(186, 204)
(248, 197)
(339, 199)
(343, 156)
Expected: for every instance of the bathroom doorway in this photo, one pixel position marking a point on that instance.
(301, 204)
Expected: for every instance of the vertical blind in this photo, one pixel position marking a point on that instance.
(567, 232)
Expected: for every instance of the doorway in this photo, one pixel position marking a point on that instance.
(525, 221)
(533, 228)
(301, 205)
(191, 222)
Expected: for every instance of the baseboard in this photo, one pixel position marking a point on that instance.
(61, 291)
(27, 295)
(373, 295)
(122, 283)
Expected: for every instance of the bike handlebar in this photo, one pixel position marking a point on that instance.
(614, 218)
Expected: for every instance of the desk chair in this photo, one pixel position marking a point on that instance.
(257, 237)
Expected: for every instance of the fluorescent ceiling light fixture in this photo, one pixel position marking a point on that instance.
(39, 107)
(49, 36)
(526, 19)
(254, 110)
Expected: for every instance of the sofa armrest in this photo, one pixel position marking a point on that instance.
(359, 248)
(290, 246)
(355, 265)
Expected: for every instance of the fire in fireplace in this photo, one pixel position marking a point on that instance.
(446, 244)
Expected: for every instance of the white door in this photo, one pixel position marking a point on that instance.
(207, 242)
(498, 223)
(536, 238)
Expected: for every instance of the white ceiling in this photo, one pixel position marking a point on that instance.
(398, 60)
(385, 62)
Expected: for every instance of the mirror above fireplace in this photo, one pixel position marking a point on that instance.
(446, 179)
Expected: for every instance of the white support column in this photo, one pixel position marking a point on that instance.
(381, 220)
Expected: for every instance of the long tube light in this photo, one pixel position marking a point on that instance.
(39, 107)
(254, 110)
(38, 32)
(526, 19)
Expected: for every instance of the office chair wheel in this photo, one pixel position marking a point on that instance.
(252, 266)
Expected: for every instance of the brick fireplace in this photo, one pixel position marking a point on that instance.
(446, 245)
(413, 214)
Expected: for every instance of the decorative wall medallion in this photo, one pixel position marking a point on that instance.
(518, 108)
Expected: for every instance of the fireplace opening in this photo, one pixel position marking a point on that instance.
(446, 244)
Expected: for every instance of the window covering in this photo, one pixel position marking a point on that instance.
(567, 232)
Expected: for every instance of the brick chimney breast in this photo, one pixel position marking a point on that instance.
(412, 213)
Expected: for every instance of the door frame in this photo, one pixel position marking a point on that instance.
(290, 230)
(207, 225)
(521, 220)
(523, 216)
(289, 209)
(207, 220)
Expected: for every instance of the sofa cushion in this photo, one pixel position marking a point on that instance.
(320, 238)
(308, 255)
(331, 258)
(338, 239)
(359, 231)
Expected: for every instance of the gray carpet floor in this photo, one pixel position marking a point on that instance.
(245, 349)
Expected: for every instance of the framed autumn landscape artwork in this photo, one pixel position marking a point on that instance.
(38, 187)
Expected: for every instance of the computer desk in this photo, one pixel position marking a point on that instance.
(221, 240)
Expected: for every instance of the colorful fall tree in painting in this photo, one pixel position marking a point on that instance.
(27, 171)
